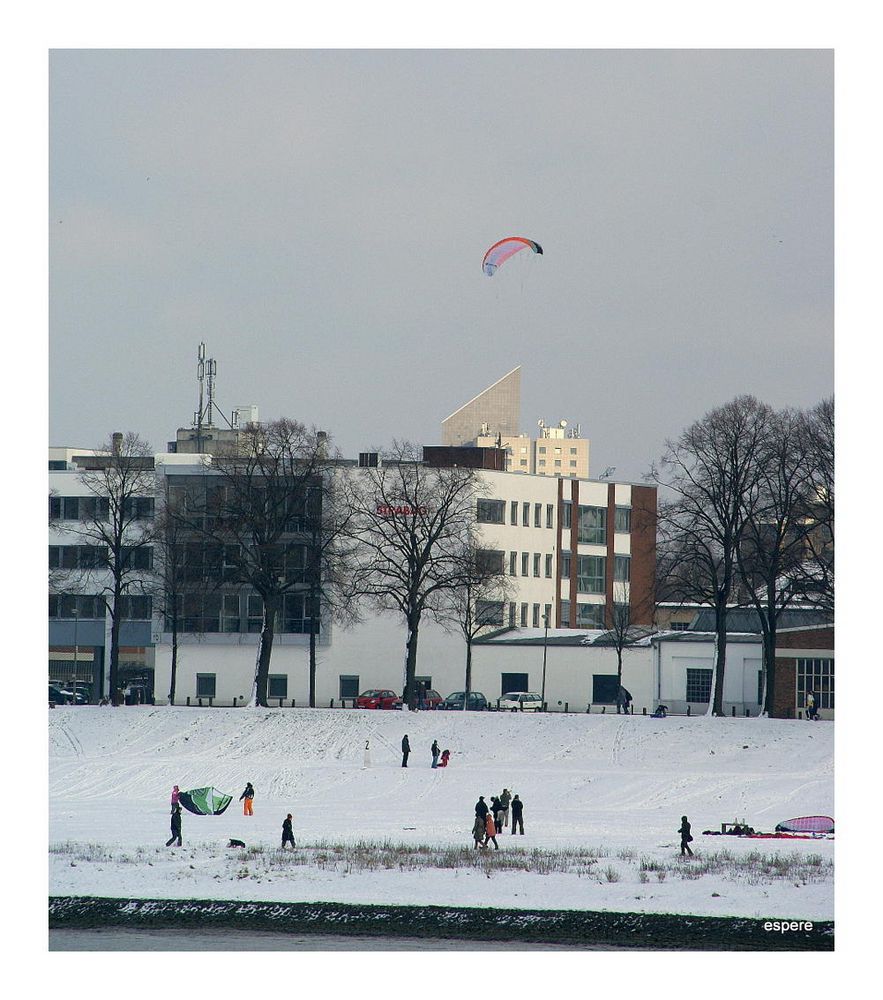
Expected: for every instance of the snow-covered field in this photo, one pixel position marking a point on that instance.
(618, 785)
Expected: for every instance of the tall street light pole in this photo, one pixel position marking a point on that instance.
(545, 647)
(76, 650)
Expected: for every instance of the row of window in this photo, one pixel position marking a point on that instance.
(591, 571)
(518, 614)
(98, 508)
(86, 607)
(537, 515)
(817, 675)
(587, 615)
(232, 613)
(97, 556)
(538, 561)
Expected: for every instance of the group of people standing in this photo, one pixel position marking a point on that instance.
(440, 757)
(490, 820)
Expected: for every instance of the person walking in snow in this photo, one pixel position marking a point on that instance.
(496, 810)
(490, 832)
(176, 795)
(505, 799)
(624, 699)
(811, 711)
(478, 831)
(406, 750)
(517, 810)
(176, 826)
(686, 837)
(481, 808)
(247, 798)
(287, 835)
(435, 751)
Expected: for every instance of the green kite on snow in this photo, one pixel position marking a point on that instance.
(205, 801)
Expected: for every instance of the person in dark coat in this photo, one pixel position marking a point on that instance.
(686, 837)
(505, 799)
(478, 831)
(176, 826)
(481, 808)
(406, 750)
(247, 798)
(287, 835)
(624, 700)
(517, 808)
(497, 812)
(435, 750)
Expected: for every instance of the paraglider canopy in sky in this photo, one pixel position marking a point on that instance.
(501, 251)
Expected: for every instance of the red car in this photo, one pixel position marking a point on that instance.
(431, 699)
(378, 699)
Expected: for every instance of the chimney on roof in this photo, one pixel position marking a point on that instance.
(116, 443)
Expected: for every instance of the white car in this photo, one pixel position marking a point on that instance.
(520, 701)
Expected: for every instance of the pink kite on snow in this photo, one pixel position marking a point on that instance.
(806, 824)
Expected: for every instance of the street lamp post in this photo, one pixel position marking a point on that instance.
(545, 647)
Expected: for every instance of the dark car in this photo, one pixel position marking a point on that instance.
(64, 696)
(431, 699)
(476, 703)
(378, 698)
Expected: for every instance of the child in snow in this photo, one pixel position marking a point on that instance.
(287, 835)
(490, 831)
(478, 831)
(176, 826)
(445, 757)
(247, 798)
(686, 837)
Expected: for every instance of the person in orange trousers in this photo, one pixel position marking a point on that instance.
(246, 799)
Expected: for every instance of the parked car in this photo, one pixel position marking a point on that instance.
(520, 701)
(476, 703)
(63, 696)
(377, 698)
(432, 699)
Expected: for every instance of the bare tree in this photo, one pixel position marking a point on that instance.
(410, 523)
(773, 537)
(478, 606)
(709, 478)
(815, 579)
(623, 631)
(116, 530)
(257, 501)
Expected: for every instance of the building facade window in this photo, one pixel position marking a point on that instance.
(525, 515)
(524, 616)
(85, 607)
(538, 515)
(590, 573)
(564, 610)
(622, 520)
(566, 514)
(698, 685)
(255, 611)
(231, 621)
(550, 515)
(512, 614)
(566, 558)
(592, 527)
(536, 616)
(817, 675)
(590, 616)
(348, 685)
(536, 563)
(513, 512)
(525, 561)
(622, 568)
(490, 511)
(548, 567)
(205, 685)
(513, 564)
(547, 615)
(277, 686)
(489, 613)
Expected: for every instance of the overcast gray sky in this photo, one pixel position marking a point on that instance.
(318, 218)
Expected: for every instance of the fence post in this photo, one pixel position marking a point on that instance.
(234, 701)
(566, 706)
(188, 701)
(688, 709)
(211, 702)
(734, 711)
(644, 710)
(747, 714)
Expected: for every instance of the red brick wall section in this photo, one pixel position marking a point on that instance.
(811, 638)
(786, 689)
(643, 544)
(574, 535)
(608, 579)
(561, 624)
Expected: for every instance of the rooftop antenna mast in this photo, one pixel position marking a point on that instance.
(206, 370)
